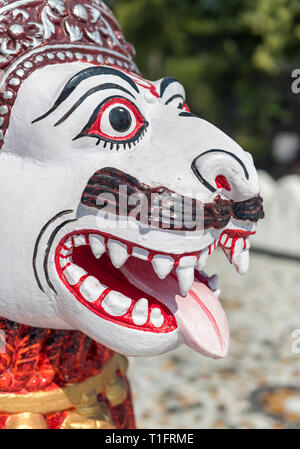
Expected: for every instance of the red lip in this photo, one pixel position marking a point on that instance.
(107, 274)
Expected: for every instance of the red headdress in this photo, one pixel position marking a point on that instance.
(35, 33)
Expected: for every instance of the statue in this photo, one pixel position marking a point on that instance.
(92, 270)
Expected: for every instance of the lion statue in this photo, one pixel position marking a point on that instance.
(113, 195)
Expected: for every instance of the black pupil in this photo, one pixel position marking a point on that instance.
(120, 119)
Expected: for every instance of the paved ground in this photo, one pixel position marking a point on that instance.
(256, 386)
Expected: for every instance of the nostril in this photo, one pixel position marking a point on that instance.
(222, 183)
(211, 162)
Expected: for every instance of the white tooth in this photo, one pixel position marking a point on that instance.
(229, 243)
(117, 252)
(227, 253)
(65, 252)
(68, 243)
(211, 248)
(213, 282)
(116, 304)
(79, 240)
(73, 273)
(140, 253)
(202, 260)
(97, 244)
(140, 312)
(238, 248)
(248, 243)
(91, 289)
(223, 239)
(242, 263)
(156, 317)
(185, 273)
(63, 262)
(217, 293)
(162, 265)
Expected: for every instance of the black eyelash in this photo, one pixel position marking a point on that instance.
(116, 145)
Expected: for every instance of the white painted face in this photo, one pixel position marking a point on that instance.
(78, 131)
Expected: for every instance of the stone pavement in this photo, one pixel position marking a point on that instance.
(256, 386)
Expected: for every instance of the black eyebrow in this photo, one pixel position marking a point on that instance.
(81, 76)
(173, 98)
(165, 83)
(90, 92)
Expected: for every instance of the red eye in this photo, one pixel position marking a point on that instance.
(118, 120)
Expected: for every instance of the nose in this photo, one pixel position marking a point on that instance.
(222, 170)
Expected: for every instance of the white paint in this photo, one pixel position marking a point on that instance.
(79, 240)
(50, 171)
(156, 317)
(140, 253)
(238, 248)
(91, 289)
(162, 265)
(242, 263)
(116, 304)
(185, 273)
(73, 274)
(117, 252)
(140, 312)
(97, 244)
(202, 260)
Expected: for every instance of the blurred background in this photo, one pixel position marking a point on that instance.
(239, 61)
(235, 59)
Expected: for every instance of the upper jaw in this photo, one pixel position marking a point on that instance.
(235, 243)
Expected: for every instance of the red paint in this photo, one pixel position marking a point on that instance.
(142, 82)
(185, 107)
(222, 183)
(96, 128)
(235, 235)
(111, 277)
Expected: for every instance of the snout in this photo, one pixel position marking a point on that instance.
(232, 172)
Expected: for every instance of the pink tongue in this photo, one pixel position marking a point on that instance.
(202, 321)
(200, 317)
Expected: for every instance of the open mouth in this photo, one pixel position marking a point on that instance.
(145, 290)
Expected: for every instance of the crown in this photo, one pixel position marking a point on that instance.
(35, 33)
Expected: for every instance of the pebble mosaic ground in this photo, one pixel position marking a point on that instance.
(258, 384)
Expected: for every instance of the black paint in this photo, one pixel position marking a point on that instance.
(60, 214)
(49, 244)
(173, 98)
(81, 76)
(85, 129)
(166, 83)
(120, 119)
(90, 92)
(203, 180)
